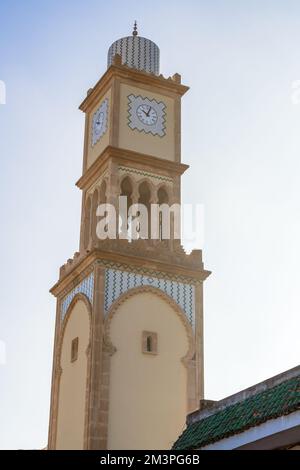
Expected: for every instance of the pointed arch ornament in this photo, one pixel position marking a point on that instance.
(109, 349)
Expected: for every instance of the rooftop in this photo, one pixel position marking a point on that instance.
(267, 400)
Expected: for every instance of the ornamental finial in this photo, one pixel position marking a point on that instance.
(135, 31)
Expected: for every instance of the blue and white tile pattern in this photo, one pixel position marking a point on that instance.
(117, 282)
(85, 287)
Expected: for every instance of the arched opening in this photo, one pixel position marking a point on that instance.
(126, 191)
(101, 201)
(145, 199)
(163, 198)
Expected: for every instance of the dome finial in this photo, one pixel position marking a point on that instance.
(135, 31)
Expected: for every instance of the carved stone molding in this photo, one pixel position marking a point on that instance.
(59, 371)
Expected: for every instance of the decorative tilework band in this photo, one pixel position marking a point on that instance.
(125, 169)
(117, 282)
(85, 287)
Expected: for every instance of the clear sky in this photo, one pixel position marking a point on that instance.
(240, 134)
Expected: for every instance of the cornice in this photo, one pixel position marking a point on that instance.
(124, 72)
(128, 157)
(192, 273)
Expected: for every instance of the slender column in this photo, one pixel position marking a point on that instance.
(94, 411)
(176, 199)
(177, 128)
(115, 113)
(199, 342)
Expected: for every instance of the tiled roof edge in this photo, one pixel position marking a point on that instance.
(243, 395)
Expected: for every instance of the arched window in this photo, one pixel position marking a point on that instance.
(126, 190)
(145, 198)
(163, 198)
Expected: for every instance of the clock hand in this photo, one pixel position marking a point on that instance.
(148, 111)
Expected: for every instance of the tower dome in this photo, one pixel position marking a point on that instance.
(136, 52)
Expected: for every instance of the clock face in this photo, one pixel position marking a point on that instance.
(99, 125)
(147, 115)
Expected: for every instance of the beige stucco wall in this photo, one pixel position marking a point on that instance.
(148, 393)
(162, 147)
(97, 149)
(72, 391)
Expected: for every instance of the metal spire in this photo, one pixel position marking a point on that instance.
(135, 31)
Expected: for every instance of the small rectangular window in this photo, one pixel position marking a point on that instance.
(74, 349)
(149, 342)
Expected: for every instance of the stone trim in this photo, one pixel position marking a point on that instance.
(94, 432)
(199, 342)
(115, 113)
(97, 184)
(70, 278)
(125, 157)
(52, 412)
(122, 72)
(58, 372)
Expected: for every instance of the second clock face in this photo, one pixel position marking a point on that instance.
(99, 124)
(147, 115)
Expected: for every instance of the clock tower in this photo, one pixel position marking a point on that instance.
(128, 349)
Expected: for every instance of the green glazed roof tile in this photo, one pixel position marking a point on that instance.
(279, 400)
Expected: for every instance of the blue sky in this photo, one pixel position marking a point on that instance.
(240, 134)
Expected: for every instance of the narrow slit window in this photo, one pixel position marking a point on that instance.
(149, 342)
(74, 349)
